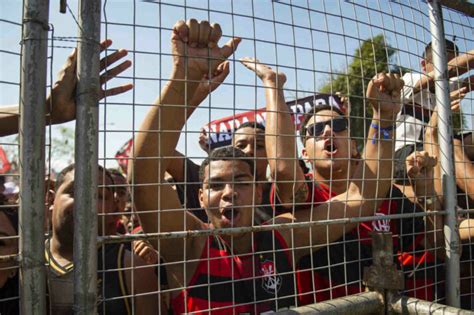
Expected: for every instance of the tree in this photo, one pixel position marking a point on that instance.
(59, 151)
(373, 56)
(62, 148)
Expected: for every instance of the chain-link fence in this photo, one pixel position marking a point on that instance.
(294, 156)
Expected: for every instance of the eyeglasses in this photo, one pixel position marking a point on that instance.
(337, 124)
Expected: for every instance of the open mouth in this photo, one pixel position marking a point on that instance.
(330, 147)
(230, 215)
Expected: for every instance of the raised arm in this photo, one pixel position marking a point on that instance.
(280, 136)
(61, 104)
(372, 179)
(420, 170)
(195, 54)
(463, 165)
(456, 67)
(464, 169)
(176, 165)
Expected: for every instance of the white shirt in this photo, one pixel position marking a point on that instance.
(409, 128)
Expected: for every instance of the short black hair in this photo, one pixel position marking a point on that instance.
(72, 167)
(250, 124)
(62, 175)
(116, 172)
(450, 47)
(313, 112)
(227, 153)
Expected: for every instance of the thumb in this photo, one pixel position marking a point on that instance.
(230, 47)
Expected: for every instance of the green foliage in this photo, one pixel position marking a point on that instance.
(373, 56)
(62, 145)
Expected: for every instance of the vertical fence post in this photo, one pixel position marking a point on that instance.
(32, 158)
(445, 133)
(86, 159)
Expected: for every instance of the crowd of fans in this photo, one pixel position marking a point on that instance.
(397, 172)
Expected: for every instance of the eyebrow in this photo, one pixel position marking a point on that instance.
(220, 179)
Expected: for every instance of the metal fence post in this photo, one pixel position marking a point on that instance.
(445, 133)
(86, 158)
(32, 158)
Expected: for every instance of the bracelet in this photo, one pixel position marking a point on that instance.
(385, 132)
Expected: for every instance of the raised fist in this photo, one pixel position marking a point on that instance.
(383, 93)
(195, 49)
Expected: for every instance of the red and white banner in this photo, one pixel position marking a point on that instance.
(123, 155)
(218, 133)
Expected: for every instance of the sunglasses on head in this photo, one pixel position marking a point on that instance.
(337, 124)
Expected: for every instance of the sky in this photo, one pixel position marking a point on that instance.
(305, 39)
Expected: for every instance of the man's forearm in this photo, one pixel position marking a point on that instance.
(464, 171)
(373, 177)
(159, 133)
(9, 117)
(280, 139)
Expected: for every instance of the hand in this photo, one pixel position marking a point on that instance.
(144, 250)
(208, 85)
(345, 104)
(197, 41)
(265, 73)
(61, 102)
(456, 97)
(420, 170)
(204, 140)
(383, 92)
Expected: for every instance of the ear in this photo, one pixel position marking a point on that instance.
(423, 65)
(201, 198)
(50, 195)
(354, 151)
(304, 155)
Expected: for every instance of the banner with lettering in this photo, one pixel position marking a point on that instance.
(218, 133)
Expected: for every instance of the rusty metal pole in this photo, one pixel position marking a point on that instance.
(86, 158)
(32, 158)
(356, 304)
(407, 305)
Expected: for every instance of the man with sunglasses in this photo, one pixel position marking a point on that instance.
(336, 270)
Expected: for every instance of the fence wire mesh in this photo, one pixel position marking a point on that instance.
(244, 165)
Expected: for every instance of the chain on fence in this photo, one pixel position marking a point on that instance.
(232, 157)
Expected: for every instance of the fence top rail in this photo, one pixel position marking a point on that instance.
(463, 6)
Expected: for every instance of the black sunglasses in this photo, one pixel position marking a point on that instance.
(337, 124)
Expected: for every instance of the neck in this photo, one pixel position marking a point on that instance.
(241, 245)
(60, 250)
(337, 180)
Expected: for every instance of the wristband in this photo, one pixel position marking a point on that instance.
(385, 132)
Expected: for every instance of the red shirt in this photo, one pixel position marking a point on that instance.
(337, 270)
(224, 283)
